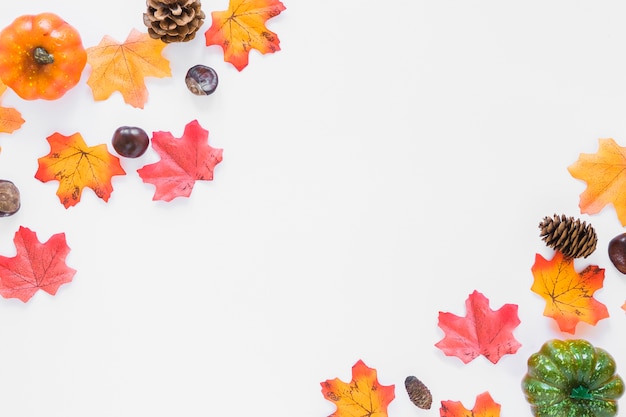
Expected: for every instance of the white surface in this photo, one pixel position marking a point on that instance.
(392, 158)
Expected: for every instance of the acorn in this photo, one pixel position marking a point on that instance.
(201, 80)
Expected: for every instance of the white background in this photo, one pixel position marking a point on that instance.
(392, 158)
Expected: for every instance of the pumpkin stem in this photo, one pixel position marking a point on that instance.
(42, 56)
(581, 393)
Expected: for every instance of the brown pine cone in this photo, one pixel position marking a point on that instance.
(570, 236)
(173, 20)
(419, 394)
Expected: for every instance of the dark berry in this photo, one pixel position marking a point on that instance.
(617, 252)
(130, 141)
(9, 198)
(201, 80)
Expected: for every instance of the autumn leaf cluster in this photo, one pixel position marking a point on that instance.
(365, 396)
(123, 66)
(75, 165)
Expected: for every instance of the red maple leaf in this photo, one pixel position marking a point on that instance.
(35, 266)
(481, 332)
(183, 162)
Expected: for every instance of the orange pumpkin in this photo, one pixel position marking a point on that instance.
(41, 56)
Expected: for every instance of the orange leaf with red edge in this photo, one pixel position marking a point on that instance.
(242, 28)
(184, 161)
(36, 266)
(123, 66)
(605, 175)
(568, 293)
(10, 119)
(363, 396)
(482, 331)
(76, 165)
(484, 406)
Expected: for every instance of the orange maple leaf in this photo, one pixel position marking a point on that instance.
(485, 406)
(605, 175)
(123, 67)
(242, 28)
(10, 119)
(363, 396)
(568, 294)
(75, 166)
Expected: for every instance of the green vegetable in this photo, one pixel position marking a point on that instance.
(572, 378)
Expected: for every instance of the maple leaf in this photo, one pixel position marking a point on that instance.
(123, 67)
(75, 166)
(605, 175)
(242, 28)
(568, 294)
(10, 119)
(481, 332)
(183, 162)
(35, 266)
(363, 396)
(484, 406)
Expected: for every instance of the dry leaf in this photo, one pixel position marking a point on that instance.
(242, 28)
(568, 294)
(75, 166)
(363, 396)
(123, 67)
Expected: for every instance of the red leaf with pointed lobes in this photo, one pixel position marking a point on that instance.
(481, 332)
(36, 266)
(183, 162)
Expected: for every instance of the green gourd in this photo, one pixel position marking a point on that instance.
(572, 378)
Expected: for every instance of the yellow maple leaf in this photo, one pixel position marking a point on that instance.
(605, 175)
(123, 67)
(75, 166)
(363, 396)
(568, 293)
(242, 28)
(10, 119)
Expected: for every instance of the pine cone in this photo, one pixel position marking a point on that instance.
(419, 394)
(569, 236)
(173, 20)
